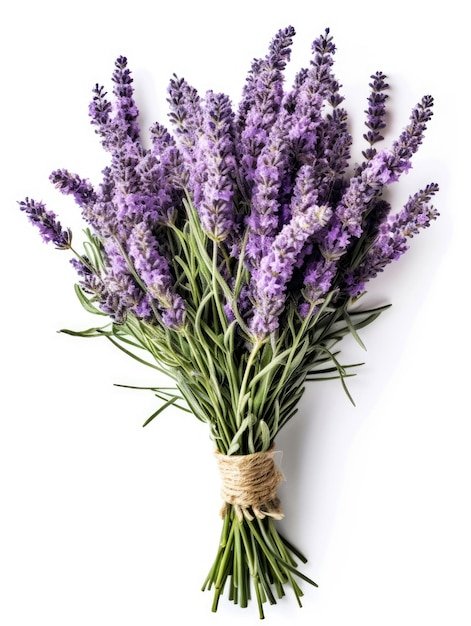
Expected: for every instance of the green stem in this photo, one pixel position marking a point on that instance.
(253, 555)
(245, 380)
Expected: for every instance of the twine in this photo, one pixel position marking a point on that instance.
(249, 484)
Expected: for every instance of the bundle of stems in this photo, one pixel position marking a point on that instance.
(244, 396)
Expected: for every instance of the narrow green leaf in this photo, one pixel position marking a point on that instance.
(86, 303)
(264, 434)
(160, 409)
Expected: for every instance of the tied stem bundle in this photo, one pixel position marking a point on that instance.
(231, 256)
(249, 484)
(252, 552)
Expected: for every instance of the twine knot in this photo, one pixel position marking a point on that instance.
(249, 484)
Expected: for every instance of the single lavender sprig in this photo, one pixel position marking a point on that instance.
(116, 123)
(72, 184)
(263, 86)
(127, 114)
(397, 161)
(391, 242)
(383, 169)
(270, 281)
(376, 113)
(335, 142)
(93, 284)
(261, 101)
(170, 158)
(186, 116)
(335, 145)
(264, 218)
(100, 110)
(154, 271)
(46, 221)
(323, 49)
(216, 169)
(318, 280)
(123, 294)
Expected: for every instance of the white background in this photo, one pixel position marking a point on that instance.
(103, 523)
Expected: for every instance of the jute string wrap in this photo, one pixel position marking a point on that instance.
(249, 484)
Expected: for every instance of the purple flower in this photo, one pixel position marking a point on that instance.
(383, 169)
(315, 136)
(94, 285)
(269, 180)
(376, 113)
(101, 215)
(391, 242)
(216, 171)
(305, 102)
(119, 123)
(354, 203)
(186, 113)
(261, 101)
(186, 116)
(391, 164)
(270, 281)
(172, 166)
(265, 202)
(334, 144)
(318, 77)
(323, 50)
(115, 286)
(100, 111)
(72, 184)
(305, 193)
(154, 272)
(46, 221)
(126, 116)
(318, 280)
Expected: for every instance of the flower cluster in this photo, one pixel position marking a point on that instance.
(268, 179)
(46, 221)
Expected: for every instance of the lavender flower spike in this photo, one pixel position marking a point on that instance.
(100, 113)
(276, 269)
(72, 184)
(391, 243)
(387, 166)
(272, 165)
(262, 99)
(48, 224)
(154, 272)
(216, 170)
(383, 169)
(186, 116)
(116, 124)
(376, 113)
(126, 110)
(318, 280)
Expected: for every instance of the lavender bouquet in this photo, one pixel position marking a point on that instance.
(231, 256)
